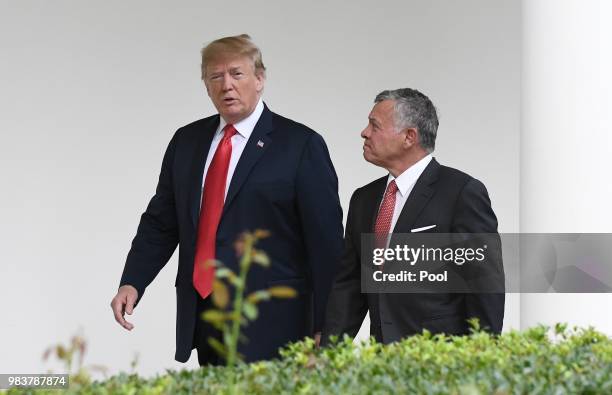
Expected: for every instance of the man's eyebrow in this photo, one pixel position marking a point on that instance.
(373, 120)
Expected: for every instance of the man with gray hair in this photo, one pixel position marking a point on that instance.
(418, 195)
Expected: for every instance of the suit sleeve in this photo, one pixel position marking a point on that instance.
(347, 306)
(157, 234)
(321, 218)
(473, 214)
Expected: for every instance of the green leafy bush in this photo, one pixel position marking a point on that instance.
(537, 361)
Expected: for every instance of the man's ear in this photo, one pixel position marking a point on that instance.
(260, 79)
(412, 137)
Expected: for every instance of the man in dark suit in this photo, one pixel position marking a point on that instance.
(246, 168)
(418, 195)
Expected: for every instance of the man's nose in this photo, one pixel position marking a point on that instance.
(227, 83)
(365, 132)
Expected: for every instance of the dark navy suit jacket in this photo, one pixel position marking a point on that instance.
(456, 203)
(288, 186)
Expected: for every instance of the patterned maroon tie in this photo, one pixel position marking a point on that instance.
(210, 213)
(385, 216)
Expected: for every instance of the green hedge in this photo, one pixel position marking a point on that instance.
(537, 361)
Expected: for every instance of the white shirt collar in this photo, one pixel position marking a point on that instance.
(246, 126)
(409, 177)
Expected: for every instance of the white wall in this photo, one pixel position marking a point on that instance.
(566, 145)
(91, 93)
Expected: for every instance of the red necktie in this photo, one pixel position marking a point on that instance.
(385, 216)
(210, 213)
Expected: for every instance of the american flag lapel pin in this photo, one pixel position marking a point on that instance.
(260, 144)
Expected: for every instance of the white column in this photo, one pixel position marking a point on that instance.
(566, 140)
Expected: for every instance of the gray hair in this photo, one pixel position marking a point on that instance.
(414, 110)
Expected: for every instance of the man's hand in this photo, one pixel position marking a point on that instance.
(123, 303)
(317, 339)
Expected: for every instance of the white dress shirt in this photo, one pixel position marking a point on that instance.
(405, 182)
(239, 140)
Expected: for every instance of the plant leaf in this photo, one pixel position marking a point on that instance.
(258, 296)
(250, 310)
(220, 295)
(227, 339)
(224, 272)
(261, 258)
(60, 351)
(213, 316)
(239, 247)
(218, 347)
(282, 291)
(236, 281)
(261, 234)
(209, 263)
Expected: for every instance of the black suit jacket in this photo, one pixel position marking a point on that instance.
(289, 187)
(455, 203)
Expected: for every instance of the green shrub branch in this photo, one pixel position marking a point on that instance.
(540, 360)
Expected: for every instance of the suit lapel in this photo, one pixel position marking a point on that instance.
(258, 143)
(373, 200)
(418, 198)
(203, 141)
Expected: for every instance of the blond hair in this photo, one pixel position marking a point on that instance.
(241, 45)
